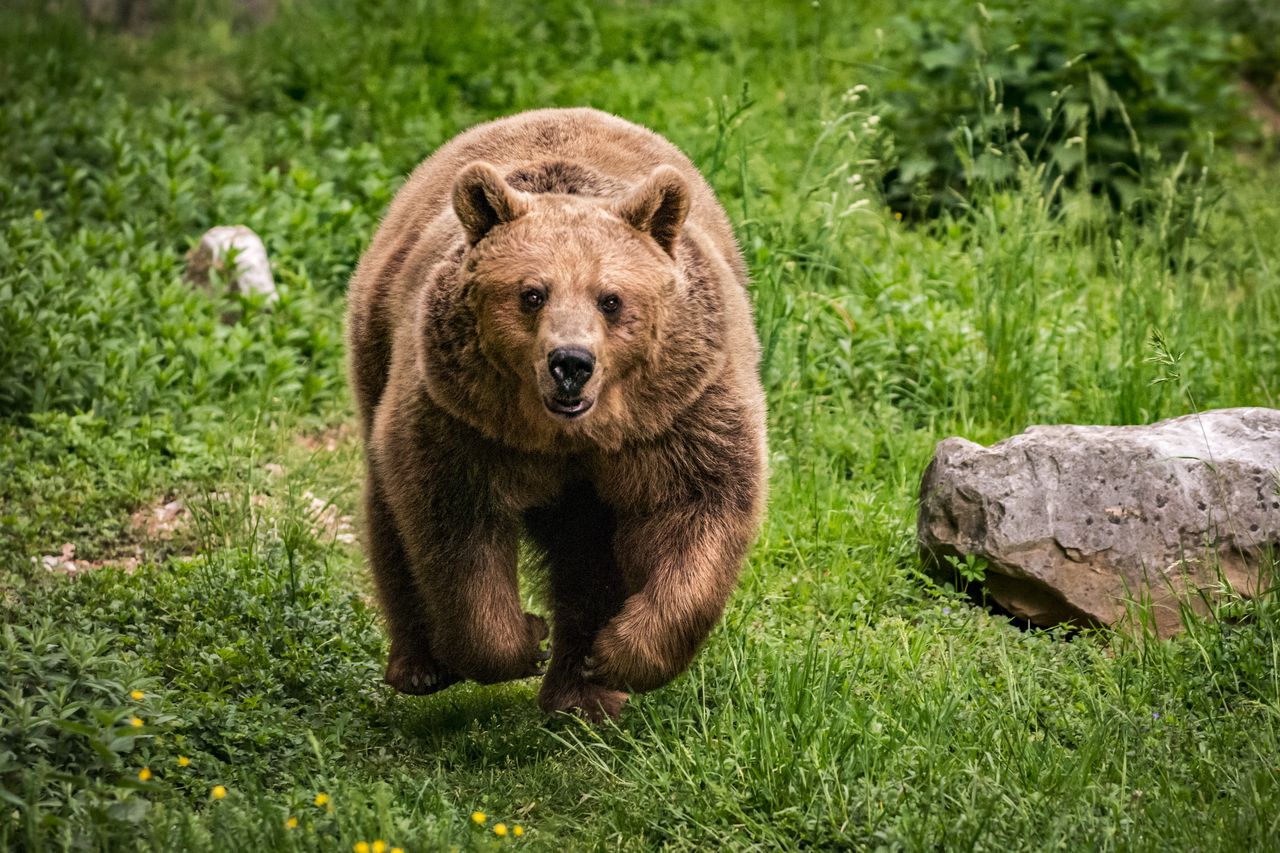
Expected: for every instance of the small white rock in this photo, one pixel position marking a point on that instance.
(252, 270)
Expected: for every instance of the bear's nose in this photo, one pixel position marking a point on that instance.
(570, 368)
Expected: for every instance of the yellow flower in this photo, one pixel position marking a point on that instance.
(144, 774)
(218, 792)
(379, 846)
(291, 823)
(517, 830)
(478, 817)
(361, 847)
(183, 761)
(321, 799)
(397, 850)
(39, 215)
(136, 722)
(897, 215)
(137, 695)
(499, 829)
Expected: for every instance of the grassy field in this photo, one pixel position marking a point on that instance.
(214, 683)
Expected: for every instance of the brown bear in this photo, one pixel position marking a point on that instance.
(550, 335)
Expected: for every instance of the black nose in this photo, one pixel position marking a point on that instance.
(570, 368)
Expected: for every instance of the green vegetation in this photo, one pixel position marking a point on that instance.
(1101, 92)
(848, 700)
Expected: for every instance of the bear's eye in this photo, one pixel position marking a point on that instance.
(610, 304)
(532, 299)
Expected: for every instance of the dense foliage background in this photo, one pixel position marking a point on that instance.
(960, 218)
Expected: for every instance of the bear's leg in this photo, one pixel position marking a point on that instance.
(682, 564)
(460, 539)
(479, 628)
(587, 590)
(411, 668)
(689, 506)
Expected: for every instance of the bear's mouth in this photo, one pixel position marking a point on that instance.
(567, 408)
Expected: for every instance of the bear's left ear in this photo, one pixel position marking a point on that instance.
(658, 207)
(482, 200)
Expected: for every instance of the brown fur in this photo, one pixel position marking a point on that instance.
(645, 505)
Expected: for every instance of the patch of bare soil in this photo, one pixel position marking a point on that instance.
(329, 440)
(160, 522)
(65, 562)
(1262, 107)
(166, 521)
(327, 520)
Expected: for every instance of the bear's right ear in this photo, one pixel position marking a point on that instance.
(483, 200)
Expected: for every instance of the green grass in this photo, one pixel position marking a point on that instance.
(848, 700)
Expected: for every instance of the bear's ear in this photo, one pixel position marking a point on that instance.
(658, 207)
(483, 200)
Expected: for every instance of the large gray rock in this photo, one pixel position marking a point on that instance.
(1077, 523)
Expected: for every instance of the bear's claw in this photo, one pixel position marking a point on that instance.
(417, 676)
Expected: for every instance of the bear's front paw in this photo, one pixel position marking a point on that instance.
(591, 702)
(416, 673)
(620, 661)
(495, 655)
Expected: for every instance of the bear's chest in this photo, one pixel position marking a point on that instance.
(521, 481)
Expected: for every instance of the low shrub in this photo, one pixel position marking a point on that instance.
(1098, 90)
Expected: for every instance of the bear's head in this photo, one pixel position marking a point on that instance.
(572, 298)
